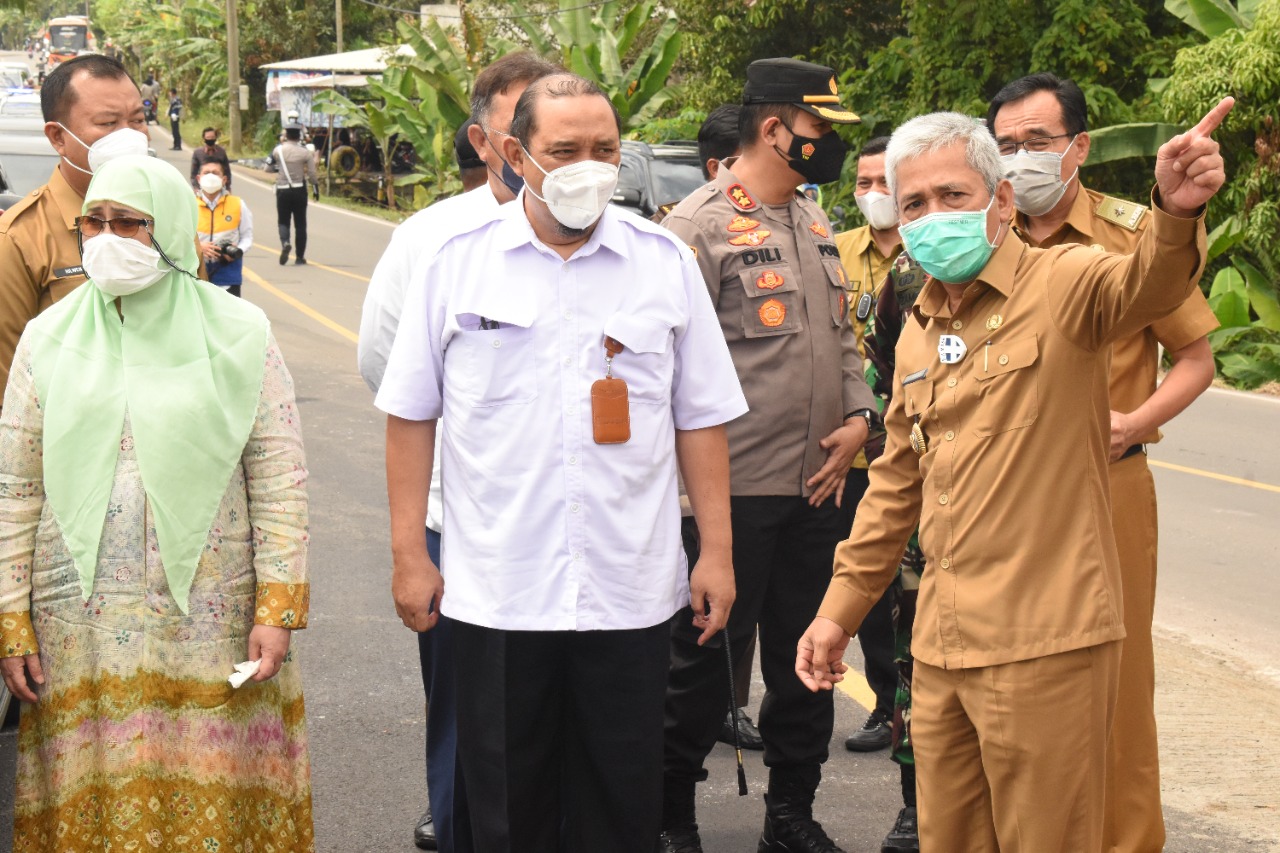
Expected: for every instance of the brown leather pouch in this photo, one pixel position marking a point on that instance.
(610, 412)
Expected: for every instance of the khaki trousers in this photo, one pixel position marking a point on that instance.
(1012, 758)
(1134, 822)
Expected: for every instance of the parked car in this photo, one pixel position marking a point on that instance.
(651, 176)
(26, 162)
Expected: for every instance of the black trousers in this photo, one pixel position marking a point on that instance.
(782, 557)
(560, 737)
(876, 634)
(291, 205)
(177, 136)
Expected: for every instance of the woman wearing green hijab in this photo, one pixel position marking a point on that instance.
(153, 534)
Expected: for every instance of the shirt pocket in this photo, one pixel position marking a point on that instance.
(647, 362)
(917, 397)
(770, 304)
(1008, 387)
(498, 365)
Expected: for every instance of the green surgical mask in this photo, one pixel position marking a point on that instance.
(950, 246)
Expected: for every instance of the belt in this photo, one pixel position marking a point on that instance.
(1133, 451)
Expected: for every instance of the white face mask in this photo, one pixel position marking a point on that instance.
(119, 266)
(878, 209)
(576, 194)
(1037, 179)
(210, 183)
(124, 142)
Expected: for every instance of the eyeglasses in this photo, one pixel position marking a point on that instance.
(1035, 145)
(121, 226)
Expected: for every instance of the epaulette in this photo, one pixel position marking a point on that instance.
(1117, 211)
(14, 212)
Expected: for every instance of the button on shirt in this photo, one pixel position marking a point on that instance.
(1012, 492)
(1135, 359)
(543, 528)
(415, 241)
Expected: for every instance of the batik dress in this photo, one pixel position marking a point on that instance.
(138, 742)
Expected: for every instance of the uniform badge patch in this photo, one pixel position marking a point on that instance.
(844, 279)
(741, 199)
(772, 313)
(994, 322)
(806, 150)
(770, 280)
(817, 228)
(751, 238)
(741, 223)
(694, 249)
(840, 305)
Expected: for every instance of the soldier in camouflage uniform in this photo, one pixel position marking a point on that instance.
(893, 302)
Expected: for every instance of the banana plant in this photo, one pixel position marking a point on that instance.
(1212, 18)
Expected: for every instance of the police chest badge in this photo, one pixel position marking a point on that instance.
(750, 238)
(770, 280)
(951, 349)
(817, 228)
(739, 224)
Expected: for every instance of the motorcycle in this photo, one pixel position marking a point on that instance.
(149, 110)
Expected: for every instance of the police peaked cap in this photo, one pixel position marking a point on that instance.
(810, 87)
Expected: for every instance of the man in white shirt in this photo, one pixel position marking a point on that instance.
(562, 520)
(493, 99)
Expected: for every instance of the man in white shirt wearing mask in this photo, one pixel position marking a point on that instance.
(92, 112)
(574, 354)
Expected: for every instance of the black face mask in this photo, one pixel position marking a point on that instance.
(509, 178)
(209, 143)
(818, 160)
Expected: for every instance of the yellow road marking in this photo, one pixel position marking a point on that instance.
(855, 686)
(1226, 478)
(306, 309)
(325, 267)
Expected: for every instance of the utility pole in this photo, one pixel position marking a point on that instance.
(337, 15)
(233, 77)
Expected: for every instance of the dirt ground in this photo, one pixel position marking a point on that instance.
(1220, 726)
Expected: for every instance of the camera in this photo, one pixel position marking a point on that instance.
(230, 252)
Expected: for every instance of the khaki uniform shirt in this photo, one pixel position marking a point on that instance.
(1115, 226)
(1012, 492)
(775, 279)
(864, 269)
(39, 259)
(295, 165)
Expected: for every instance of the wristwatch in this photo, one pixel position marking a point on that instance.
(866, 414)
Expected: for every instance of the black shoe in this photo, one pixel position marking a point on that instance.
(684, 840)
(794, 834)
(875, 734)
(284, 253)
(301, 261)
(748, 734)
(903, 837)
(424, 834)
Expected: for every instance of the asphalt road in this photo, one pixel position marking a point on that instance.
(1215, 613)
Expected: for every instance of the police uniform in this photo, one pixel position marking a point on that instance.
(39, 258)
(294, 165)
(1020, 608)
(1135, 823)
(865, 268)
(778, 287)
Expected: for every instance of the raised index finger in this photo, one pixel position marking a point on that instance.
(1213, 118)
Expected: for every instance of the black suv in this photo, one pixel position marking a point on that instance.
(653, 175)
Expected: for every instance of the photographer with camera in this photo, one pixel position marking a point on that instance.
(226, 227)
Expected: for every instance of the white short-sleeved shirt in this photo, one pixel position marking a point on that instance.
(412, 243)
(543, 528)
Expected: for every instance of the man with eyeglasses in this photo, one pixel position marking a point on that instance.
(92, 112)
(1039, 126)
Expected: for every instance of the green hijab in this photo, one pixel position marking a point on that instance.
(186, 364)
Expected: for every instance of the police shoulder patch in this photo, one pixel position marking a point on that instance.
(1117, 211)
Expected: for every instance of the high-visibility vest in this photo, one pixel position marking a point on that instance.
(222, 222)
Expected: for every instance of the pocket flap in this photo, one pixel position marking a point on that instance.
(638, 334)
(471, 321)
(917, 397)
(1005, 356)
(766, 279)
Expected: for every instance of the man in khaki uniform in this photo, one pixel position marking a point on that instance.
(1044, 112)
(867, 254)
(997, 445)
(84, 100)
(775, 278)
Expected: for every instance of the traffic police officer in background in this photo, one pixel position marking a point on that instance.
(775, 278)
(997, 446)
(867, 253)
(1039, 124)
(294, 165)
(92, 112)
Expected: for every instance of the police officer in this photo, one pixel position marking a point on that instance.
(1039, 124)
(92, 111)
(775, 277)
(294, 166)
(867, 253)
(997, 447)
